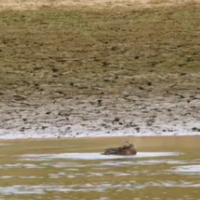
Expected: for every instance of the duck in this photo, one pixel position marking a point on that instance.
(126, 149)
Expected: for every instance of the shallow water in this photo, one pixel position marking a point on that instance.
(74, 169)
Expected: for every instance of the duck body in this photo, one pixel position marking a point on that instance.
(125, 150)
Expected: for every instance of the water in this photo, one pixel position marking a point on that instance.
(74, 169)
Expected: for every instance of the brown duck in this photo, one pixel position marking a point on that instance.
(125, 150)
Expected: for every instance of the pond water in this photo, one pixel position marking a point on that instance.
(74, 169)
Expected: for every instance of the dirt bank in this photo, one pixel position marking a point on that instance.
(99, 72)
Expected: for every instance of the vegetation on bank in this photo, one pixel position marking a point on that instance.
(89, 51)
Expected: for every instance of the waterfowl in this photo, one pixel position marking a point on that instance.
(125, 150)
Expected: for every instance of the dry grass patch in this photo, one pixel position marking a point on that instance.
(56, 52)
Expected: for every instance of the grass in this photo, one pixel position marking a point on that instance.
(71, 52)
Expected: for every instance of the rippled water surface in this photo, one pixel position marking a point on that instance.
(74, 169)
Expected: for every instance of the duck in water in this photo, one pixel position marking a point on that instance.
(125, 150)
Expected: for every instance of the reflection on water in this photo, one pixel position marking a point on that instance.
(95, 156)
(187, 169)
(91, 176)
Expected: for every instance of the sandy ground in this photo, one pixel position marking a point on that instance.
(35, 4)
(168, 108)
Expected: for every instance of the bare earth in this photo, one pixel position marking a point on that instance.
(127, 86)
(35, 4)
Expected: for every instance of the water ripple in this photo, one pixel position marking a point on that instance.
(19, 165)
(132, 185)
(187, 169)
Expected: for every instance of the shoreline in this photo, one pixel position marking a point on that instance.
(99, 136)
(116, 116)
(39, 136)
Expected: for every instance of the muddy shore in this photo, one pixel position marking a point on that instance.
(90, 73)
(116, 116)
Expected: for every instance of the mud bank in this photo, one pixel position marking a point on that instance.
(106, 116)
(89, 73)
